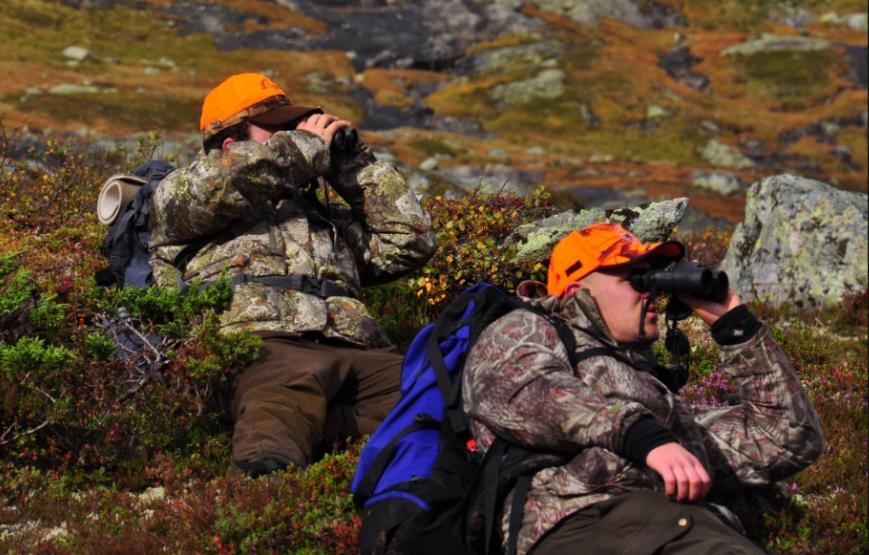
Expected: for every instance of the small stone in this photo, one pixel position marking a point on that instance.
(429, 164)
(383, 154)
(166, 62)
(151, 70)
(655, 112)
(678, 37)
(418, 182)
(152, 494)
(69, 88)
(536, 150)
(588, 116)
(857, 21)
(547, 84)
(710, 126)
(722, 183)
(77, 53)
(829, 17)
(830, 128)
(726, 156)
(498, 154)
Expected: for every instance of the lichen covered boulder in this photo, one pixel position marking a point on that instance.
(803, 243)
(652, 221)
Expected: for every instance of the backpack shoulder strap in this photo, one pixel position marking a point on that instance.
(486, 303)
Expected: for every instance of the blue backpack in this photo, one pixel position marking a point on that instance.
(422, 486)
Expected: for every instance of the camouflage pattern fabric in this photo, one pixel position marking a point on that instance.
(248, 199)
(518, 384)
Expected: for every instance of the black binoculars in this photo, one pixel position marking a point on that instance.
(683, 277)
(346, 138)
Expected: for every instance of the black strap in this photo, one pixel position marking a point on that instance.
(366, 486)
(489, 478)
(517, 509)
(323, 288)
(449, 391)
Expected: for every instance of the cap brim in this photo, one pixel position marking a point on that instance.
(284, 114)
(667, 251)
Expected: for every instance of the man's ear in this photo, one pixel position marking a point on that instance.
(227, 141)
(571, 289)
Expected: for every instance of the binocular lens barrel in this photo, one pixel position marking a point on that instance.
(345, 138)
(684, 277)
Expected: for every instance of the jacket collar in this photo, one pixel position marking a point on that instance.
(581, 312)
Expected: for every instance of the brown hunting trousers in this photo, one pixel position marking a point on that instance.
(644, 523)
(303, 396)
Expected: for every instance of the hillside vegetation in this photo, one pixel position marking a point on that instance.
(108, 453)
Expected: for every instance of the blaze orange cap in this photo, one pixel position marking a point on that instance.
(603, 245)
(247, 96)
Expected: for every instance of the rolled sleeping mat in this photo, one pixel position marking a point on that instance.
(117, 191)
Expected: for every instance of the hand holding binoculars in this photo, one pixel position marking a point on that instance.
(682, 277)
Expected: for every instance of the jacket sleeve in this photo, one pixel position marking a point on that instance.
(225, 186)
(519, 384)
(387, 228)
(774, 431)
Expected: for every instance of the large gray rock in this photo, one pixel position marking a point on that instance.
(803, 243)
(649, 222)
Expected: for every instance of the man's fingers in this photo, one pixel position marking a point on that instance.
(333, 128)
(682, 483)
(669, 482)
(695, 491)
(705, 480)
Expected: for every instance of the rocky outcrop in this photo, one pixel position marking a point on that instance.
(802, 244)
(649, 14)
(774, 43)
(650, 222)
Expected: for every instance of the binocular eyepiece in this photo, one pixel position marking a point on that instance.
(346, 138)
(683, 277)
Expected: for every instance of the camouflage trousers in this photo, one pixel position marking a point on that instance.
(644, 523)
(301, 397)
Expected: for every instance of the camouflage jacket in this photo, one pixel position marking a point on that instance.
(519, 385)
(248, 204)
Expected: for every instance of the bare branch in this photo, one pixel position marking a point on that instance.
(22, 434)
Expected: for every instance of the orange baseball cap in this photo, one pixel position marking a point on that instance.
(247, 96)
(603, 245)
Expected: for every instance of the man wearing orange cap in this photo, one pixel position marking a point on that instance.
(248, 207)
(642, 463)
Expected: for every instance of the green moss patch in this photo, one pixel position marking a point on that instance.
(795, 80)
